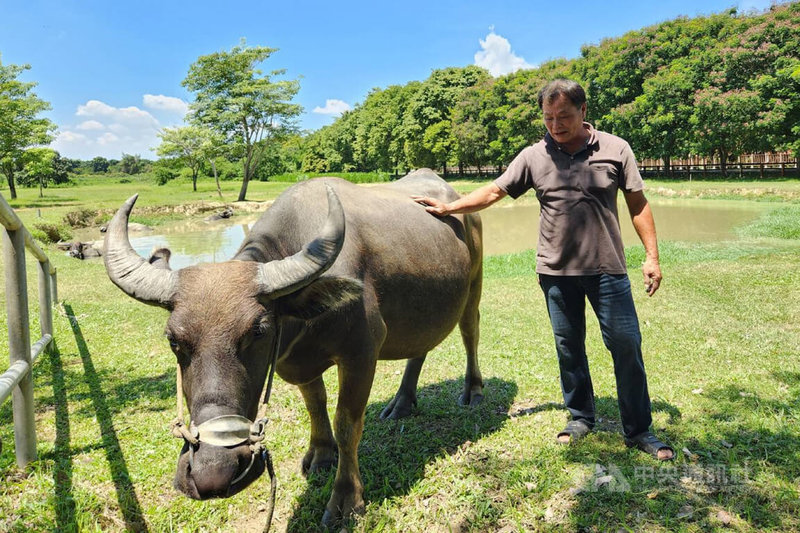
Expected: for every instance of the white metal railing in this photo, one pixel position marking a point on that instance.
(17, 381)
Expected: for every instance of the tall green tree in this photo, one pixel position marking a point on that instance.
(657, 122)
(20, 124)
(247, 107)
(185, 144)
(767, 56)
(726, 123)
(428, 117)
(471, 130)
(378, 141)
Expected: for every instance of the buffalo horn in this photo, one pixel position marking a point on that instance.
(284, 276)
(131, 272)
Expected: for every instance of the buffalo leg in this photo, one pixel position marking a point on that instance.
(406, 397)
(355, 382)
(470, 333)
(321, 452)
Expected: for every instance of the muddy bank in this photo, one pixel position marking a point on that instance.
(201, 208)
(728, 193)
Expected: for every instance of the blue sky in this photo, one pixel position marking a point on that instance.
(112, 70)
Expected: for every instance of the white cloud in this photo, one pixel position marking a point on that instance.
(69, 137)
(107, 138)
(497, 57)
(94, 108)
(108, 131)
(90, 125)
(166, 103)
(129, 116)
(333, 107)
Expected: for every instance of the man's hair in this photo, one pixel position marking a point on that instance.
(568, 88)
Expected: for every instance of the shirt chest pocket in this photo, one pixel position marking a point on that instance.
(602, 176)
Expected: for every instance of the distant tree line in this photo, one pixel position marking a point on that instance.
(715, 86)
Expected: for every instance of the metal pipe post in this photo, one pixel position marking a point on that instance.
(45, 304)
(54, 287)
(19, 343)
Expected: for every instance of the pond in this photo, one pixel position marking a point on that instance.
(507, 227)
(510, 228)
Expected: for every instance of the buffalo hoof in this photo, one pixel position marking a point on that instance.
(318, 459)
(340, 508)
(471, 400)
(400, 407)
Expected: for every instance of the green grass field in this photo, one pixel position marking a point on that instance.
(722, 351)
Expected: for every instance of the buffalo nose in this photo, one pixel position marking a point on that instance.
(213, 472)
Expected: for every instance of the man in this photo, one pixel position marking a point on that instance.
(576, 172)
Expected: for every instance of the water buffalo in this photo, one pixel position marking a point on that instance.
(332, 274)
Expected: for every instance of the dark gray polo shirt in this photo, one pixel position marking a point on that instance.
(579, 231)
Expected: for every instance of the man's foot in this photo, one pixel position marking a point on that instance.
(649, 443)
(573, 432)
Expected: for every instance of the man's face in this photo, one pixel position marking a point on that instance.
(564, 121)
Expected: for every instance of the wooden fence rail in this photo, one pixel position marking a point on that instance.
(17, 381)
(780, 167)
(790, 169)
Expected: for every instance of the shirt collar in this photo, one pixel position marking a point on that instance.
(591, 141)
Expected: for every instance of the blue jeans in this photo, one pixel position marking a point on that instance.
(612, 301)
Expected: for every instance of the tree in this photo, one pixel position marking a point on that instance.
(656, 121)
(770, 53)
(131, 164)
(726, 123)
(189, 145)
(379, 140)
(19, 126)
(211, 148)
(248, 108)
(43, 166)
(100, 164)
(428, 117)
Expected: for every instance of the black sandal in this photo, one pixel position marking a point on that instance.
(649, 443)
(575, 430)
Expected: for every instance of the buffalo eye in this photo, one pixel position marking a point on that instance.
(173, 343)
(260, 329)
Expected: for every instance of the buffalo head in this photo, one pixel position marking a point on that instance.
(223, 327)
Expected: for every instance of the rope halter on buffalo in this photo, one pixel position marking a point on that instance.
(230, 431)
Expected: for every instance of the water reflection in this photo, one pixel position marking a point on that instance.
(512, 228)
(507, 227)
(195, 242)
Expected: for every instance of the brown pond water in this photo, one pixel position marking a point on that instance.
(507, 227)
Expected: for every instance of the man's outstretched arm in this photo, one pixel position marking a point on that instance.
(474, 201)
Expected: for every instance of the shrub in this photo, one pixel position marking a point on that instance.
(50, 233)
(82, 218)
(164, 173)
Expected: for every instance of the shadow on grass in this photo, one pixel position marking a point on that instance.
(62, 453)
(161, 387)
(393, 453)
(744, 464)
(126, 493)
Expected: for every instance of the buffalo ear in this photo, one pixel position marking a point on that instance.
(160, 258)
(320, 296)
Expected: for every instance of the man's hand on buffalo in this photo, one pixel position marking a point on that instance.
(432, 205)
